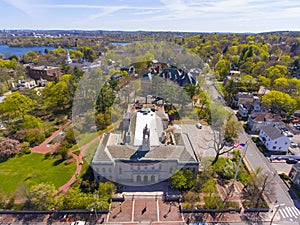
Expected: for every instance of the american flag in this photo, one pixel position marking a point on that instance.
(239, 145)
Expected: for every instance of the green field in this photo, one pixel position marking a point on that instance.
(20, 172)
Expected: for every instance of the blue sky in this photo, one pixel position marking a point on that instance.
(155, 15)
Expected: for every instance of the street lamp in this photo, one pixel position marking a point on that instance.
(275, 212)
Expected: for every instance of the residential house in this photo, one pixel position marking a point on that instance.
(256, 107)
(49, 73)
(274, 139)
(295, 175)
(180, 77)
(258, 120)
(242, 98)
(147, 151)
(297, 114)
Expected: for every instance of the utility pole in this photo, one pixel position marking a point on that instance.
(276, 210)
(231, 188)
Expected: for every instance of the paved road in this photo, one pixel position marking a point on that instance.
(256, 159)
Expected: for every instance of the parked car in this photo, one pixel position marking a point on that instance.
(78, 223)
(294, 145)
(291, 161)
(199, 125)
(288, 134)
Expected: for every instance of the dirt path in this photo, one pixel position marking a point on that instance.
(79, 161)
(45, 147)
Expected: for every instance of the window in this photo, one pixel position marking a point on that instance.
(275, 142)
(109, 170)
(120, 170)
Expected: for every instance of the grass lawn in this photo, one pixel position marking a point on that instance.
(27, 170)
(90, 151)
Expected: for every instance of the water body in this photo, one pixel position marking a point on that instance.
(120, 43)
(6, 50)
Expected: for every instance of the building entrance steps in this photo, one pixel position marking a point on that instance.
(143, 195)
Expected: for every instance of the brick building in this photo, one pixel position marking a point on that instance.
(49, 73)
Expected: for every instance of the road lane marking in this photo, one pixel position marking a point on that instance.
(157, 206)
(296, 211)
(132, 213)
(288, 212)
(282, 214)
(292, 212)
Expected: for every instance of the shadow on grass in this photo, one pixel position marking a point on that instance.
(88, 183)
(57, 162)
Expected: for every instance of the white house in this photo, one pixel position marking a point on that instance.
(273, 139)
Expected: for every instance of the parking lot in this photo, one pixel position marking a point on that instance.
(200, 138)
(203, 144)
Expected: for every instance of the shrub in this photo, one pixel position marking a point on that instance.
(27, 151)
(228, 170)
(213, 202)
(77, 152)
(255, 139)
(47, 155)
(217, 167)
(284, 176)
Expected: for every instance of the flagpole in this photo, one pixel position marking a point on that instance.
(240, 161)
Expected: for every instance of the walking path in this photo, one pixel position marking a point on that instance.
(79, 161)
(44, 148)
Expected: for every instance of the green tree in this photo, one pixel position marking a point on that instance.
(57, 95)
(106, 190)
(75, 199)
(225, 129)
(279, 102)
(16, 105)
(183, 179)
(222, 68)
(42, 196)
(31, 122)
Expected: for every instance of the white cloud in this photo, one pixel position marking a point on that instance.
(23, 6)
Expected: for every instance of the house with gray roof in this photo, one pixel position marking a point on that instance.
(258, 120)
(147, 150)
(274, 139)
(295, 175)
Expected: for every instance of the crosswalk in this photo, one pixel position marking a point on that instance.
(289, 212)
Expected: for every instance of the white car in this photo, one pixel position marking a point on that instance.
(294, 145)
(199, 125)
(78, 223)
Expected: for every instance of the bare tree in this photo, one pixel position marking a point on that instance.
(225, 130)
(259, 186)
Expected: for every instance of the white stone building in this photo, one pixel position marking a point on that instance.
(147, 151)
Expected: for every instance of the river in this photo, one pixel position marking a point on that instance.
(6, 50)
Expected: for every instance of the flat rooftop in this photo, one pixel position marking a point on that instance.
(153, 122)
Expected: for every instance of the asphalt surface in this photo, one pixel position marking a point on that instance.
(284, 196)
